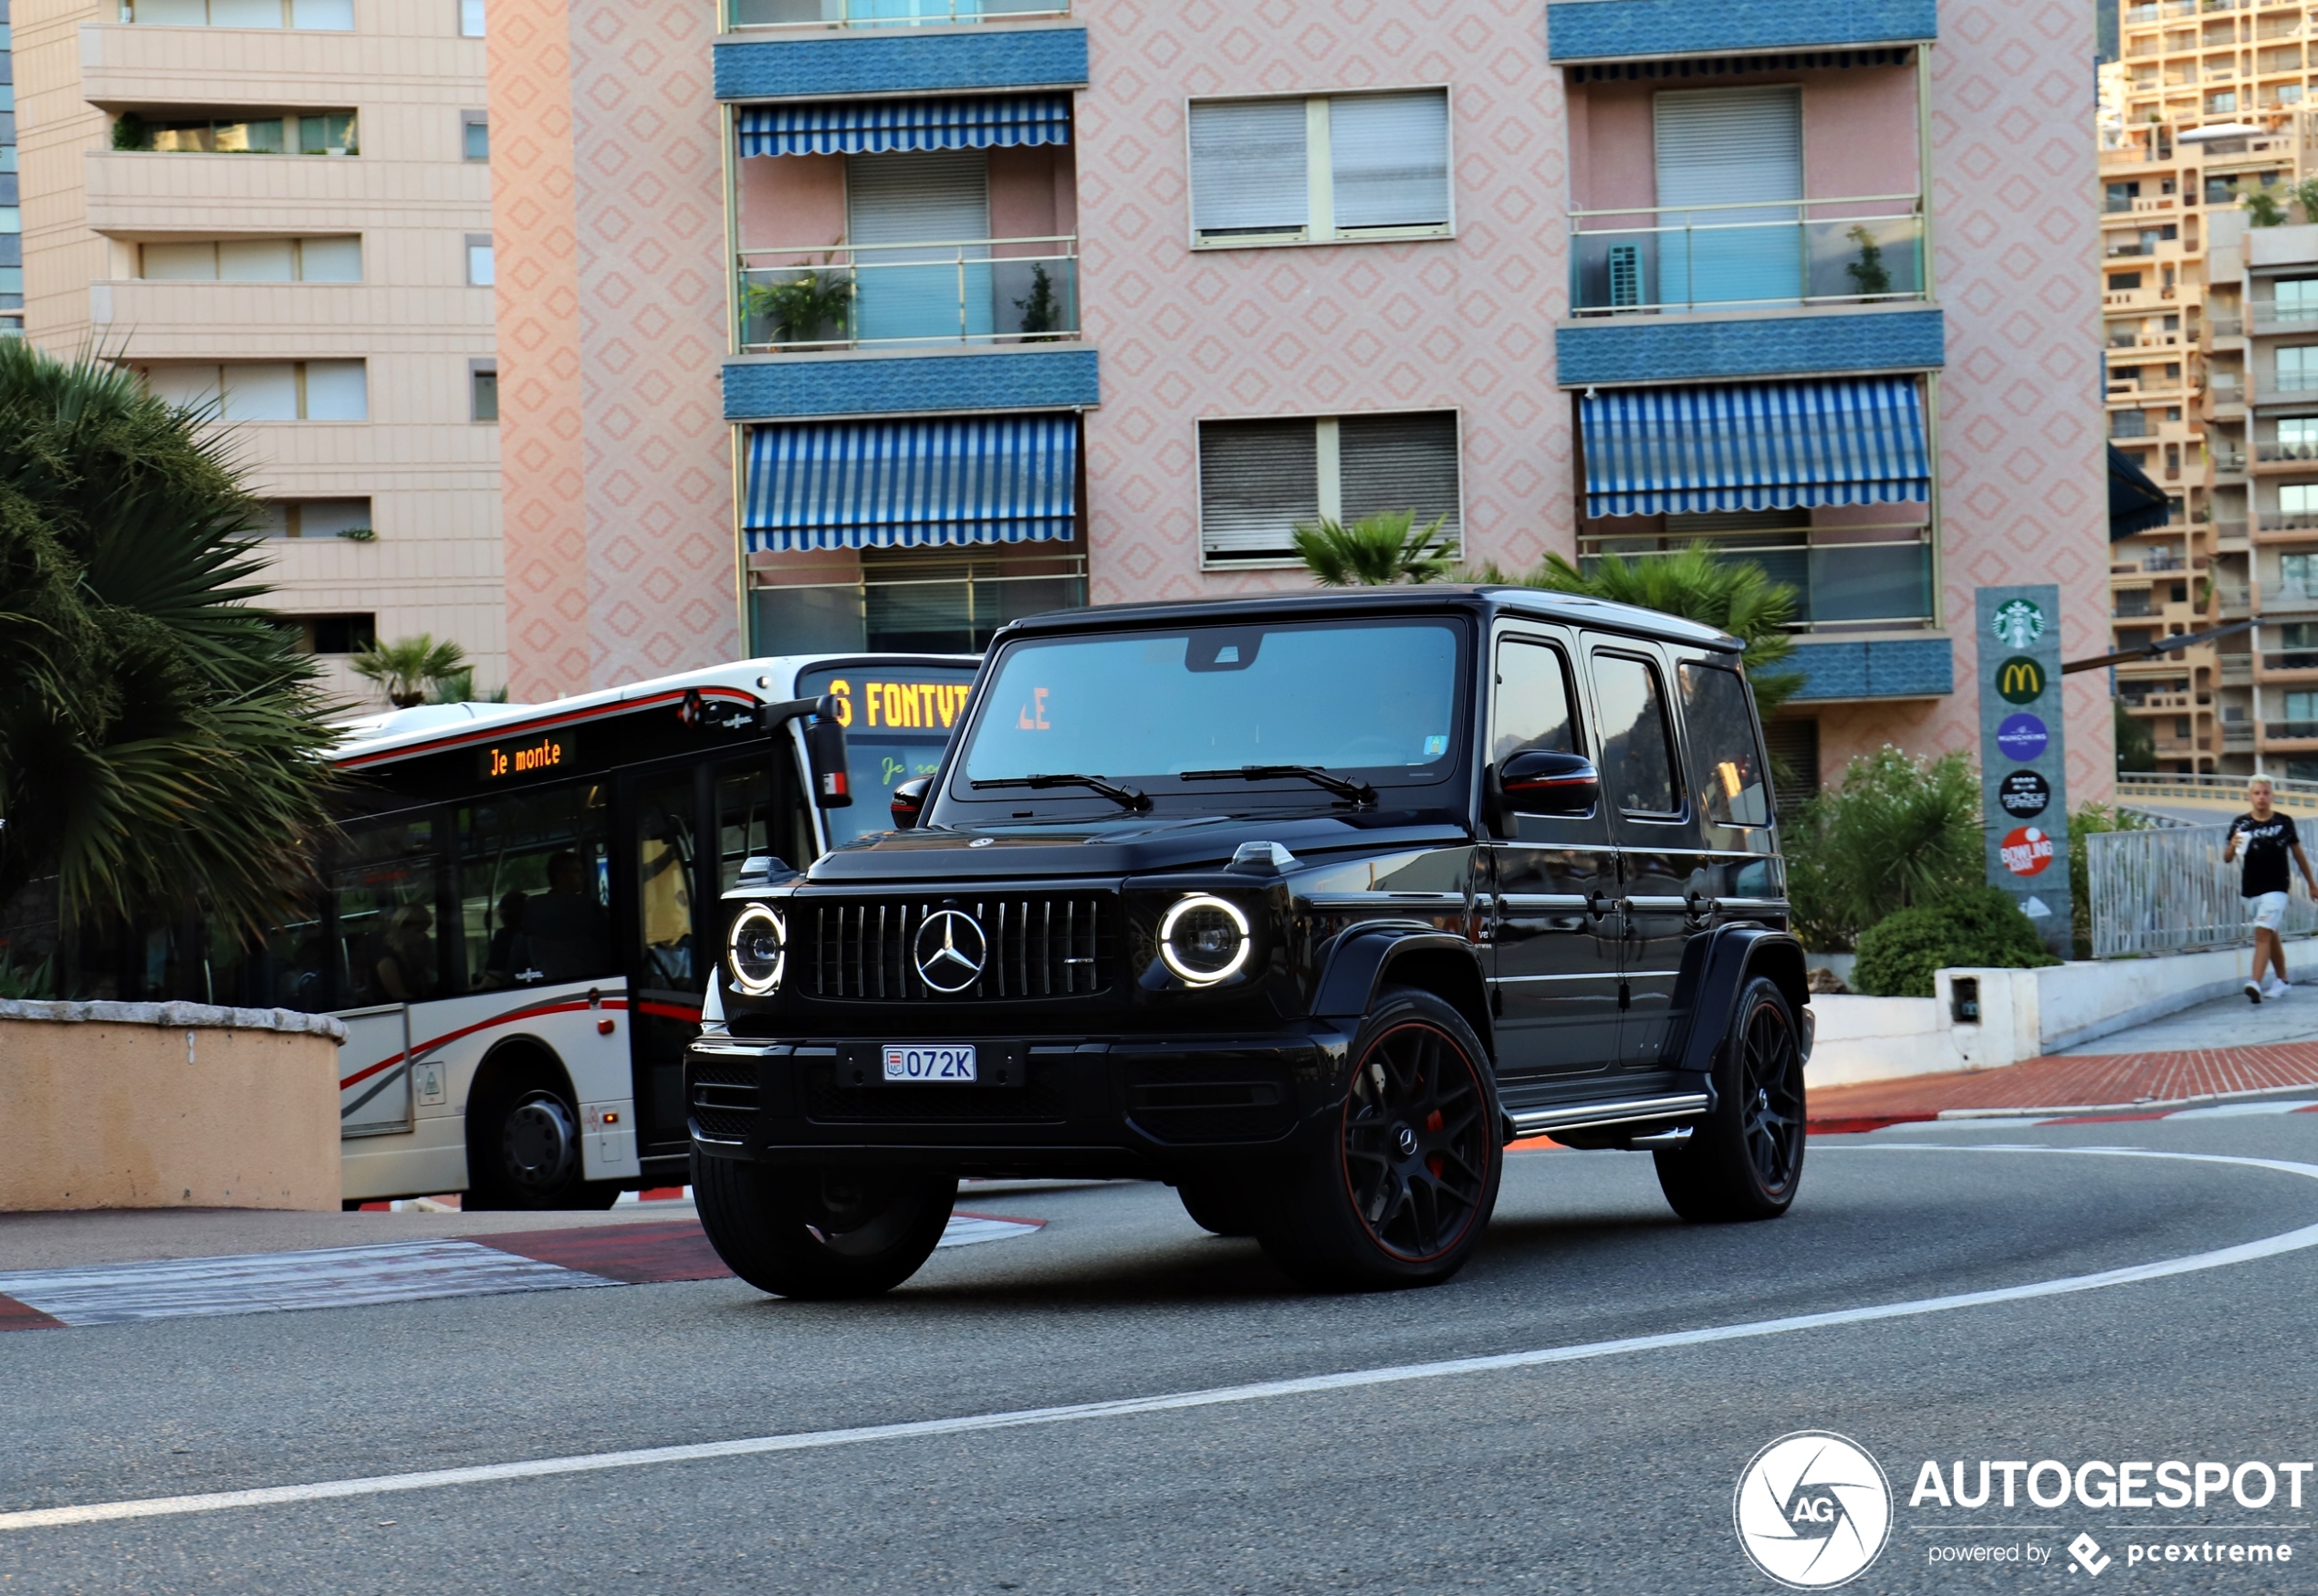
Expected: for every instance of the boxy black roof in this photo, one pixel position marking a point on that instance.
(1484, 601)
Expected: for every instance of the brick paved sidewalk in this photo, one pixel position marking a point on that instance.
(2070, 1082)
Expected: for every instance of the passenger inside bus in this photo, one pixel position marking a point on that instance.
(406, 961)
(567, 929)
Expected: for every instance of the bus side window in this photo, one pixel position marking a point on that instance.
(531, 889)
(760, 812)
(386, 940)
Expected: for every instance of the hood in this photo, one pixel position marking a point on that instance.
(1128, 845)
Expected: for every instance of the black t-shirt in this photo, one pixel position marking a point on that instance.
(2263, 845)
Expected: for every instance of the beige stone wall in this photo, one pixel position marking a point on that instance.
(116, 1113)
(431, 473)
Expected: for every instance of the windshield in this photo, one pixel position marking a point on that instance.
(1376, 699)
(897, 721)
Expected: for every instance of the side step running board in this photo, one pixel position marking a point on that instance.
(1586, 1116)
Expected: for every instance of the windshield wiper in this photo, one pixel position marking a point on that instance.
(1126, 798)
(1343, 787)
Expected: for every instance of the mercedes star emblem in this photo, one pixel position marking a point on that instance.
(950, 950)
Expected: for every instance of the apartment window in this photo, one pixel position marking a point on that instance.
(483, 392)
(2298, 498)
(474, 135)
(2298, 573)
(2296, 299)
(254, 260)
(335, 634)
(2133, 602)
(313, 133)
(333, 15)
(7, 157)
(2124, 282)
(1341, 167)
(471, 19)
(479, 269)
(268, 391)
(2297, 367)
(1259, 480)
(303, 518)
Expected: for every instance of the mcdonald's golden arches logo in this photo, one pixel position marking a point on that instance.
(2020, 680)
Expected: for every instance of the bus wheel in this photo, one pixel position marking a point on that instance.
(821, 1233)
(523, 1151)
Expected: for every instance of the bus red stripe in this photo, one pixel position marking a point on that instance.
(391, 1059)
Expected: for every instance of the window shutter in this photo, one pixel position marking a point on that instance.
(1248, 170)
(1393, 462)
(1389, 158)
(1256, 480)
(1727, 146)
(934, 197)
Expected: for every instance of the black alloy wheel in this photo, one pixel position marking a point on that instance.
(539, 1143)
(821, 1233)
(1745, 1160)
(1400, 1188)
(524, 1149)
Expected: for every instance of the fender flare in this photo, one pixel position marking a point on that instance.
(1717, 970)
(1364, 956)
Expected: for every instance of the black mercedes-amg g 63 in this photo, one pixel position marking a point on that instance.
(1307, 905)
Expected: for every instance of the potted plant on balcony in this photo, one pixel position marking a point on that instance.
(811, 307)
(1041, 309)
(1870, 277)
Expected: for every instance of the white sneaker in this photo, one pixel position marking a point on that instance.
(2253, 992)
(2275, 988)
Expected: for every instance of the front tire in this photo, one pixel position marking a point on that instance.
(822, 1235)
(1401, 1186)
(1225, 1204)
(1746, 1161)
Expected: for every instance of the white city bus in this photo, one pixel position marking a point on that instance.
(512, 923)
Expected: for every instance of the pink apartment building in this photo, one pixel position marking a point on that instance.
(844, 323)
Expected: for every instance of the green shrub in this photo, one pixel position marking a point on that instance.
(1898, 833)
(1983, 928)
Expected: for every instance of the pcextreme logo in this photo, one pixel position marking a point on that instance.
(1813, 1510)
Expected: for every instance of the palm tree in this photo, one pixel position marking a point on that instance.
(1698, 584)
(159, 733)
(408, 668)
(1373, 551)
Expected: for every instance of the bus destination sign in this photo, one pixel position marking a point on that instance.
(543, 754)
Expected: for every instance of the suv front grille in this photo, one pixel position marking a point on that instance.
(1046, 944)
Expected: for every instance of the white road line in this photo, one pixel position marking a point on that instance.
(344, 1277)
(968, 1229)
(1022, 1418)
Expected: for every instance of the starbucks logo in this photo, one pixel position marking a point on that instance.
(2019, 623)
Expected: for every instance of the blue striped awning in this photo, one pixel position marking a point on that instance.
(1755, 446)
(921, 483)
(880, 127)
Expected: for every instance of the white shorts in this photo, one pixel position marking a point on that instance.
(2269, 909)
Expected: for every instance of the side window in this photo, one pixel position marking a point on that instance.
(1532, 702)
(664, 856)
(389, 939)
(1727, 765)
(760, 812)
(1638, 755)
(533, 874)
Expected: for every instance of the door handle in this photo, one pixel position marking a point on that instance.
(1701, 906)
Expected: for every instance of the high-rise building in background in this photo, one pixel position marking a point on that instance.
(284, 207)
(834, 323)
(2207, 104)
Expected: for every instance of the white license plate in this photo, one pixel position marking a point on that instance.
(914, 1062)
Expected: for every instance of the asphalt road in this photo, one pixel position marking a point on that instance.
(1613, 1471)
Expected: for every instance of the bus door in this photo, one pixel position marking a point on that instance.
(667, 953)
(385, 915)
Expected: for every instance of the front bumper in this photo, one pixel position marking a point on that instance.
(1048, 1105)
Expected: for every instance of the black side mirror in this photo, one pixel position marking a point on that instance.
(1539, 782)
(824, 753)
(909, 801)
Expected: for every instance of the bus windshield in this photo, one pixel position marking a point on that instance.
(897, 721)
(1374, 699)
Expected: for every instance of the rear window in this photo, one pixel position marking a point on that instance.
(1727, 769)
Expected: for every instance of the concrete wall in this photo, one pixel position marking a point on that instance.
(176, 1105)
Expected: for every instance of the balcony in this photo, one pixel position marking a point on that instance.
(1877, 578)
(2288, 597)
(2272, 521)
(2276, 454)
(2271, 317)
(912, 607)
(1865, 251)
(2237, 670)
(899, 296)
(2290, 731)
(2292, 662)
(742, 14)
(2231, 462)
(2226, 326)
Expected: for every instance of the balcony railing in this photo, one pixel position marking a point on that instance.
(2288, 521)
(753, 14)
(1882, 579)
(2290, 659)
(2226, 326)
(2290, 730)
(2270, 316)
(2231, 460)
(925, 609)
(850, 297)
(1752, 254)
(2274, 452)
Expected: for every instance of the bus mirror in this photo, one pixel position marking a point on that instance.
(825, 752)
(909, 801)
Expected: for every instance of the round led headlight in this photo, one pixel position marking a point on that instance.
(757, 951)
(1204, 940)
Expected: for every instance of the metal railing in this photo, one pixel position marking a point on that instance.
(753, 14)
(2275, 451)
(911, 613)
(2226, 326)
(2297, 521)
(2290, 730)
(2269, 314)
(2278, 663)
(2168, 890)
(1882, 579)
(849, 297)
(1789, 252)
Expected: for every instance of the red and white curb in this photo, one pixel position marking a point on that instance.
(2019, 1119)
(403, 1271)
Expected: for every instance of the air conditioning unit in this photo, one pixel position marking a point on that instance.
(1625, 275)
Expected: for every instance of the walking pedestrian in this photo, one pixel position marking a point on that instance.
(2268, 838)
